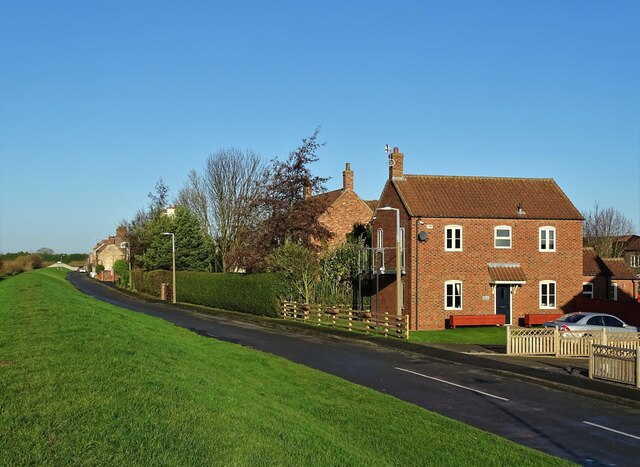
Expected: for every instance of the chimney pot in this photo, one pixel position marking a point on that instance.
(347, 178)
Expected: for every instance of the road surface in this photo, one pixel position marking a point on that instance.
(582, 429)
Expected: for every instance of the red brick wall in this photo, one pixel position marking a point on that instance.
(340, 217)
(470, 265)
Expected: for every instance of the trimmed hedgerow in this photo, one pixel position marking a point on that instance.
(256, 294)
(150, 282)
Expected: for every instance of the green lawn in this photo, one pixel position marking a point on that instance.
(490, 335)
(86, 383)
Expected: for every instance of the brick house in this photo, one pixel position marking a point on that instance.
(107, 252)
(341, 209)
(631, 252)
(608, 278)
(475, 246)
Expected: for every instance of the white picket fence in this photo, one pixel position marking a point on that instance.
(551, 341)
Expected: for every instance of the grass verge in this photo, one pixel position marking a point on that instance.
(86, 383)
(488, 335)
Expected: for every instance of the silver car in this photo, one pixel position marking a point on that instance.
(590, 322)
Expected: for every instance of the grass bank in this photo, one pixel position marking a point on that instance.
(86, 383)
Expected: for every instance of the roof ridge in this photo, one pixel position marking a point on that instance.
(481, 177)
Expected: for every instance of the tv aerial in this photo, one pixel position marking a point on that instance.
(387, 150)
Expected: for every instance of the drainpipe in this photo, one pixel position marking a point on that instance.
(422, 238)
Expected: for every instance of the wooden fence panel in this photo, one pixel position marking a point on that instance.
(550, 341)
(346, 318)
(617, 364)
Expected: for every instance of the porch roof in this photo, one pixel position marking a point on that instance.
(506, 273)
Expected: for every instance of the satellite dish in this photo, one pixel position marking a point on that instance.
(422, 236)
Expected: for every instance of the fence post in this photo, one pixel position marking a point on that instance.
(556, 341)
(591, 360)
(603, 337)
(637, 367)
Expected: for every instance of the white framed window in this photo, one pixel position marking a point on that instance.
(634, 261)
(613, 291)
(453, 295)
(547, 294)
(502, 236)
(453, 238)
(547, 239)
(587, 289)
(380, 239)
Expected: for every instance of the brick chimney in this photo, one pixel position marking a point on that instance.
(347, 178)
(121, 232)
(396, 164)
(306, 190)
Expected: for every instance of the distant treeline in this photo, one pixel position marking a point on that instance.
(48, 257)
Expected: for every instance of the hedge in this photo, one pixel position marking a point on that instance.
(247, 293)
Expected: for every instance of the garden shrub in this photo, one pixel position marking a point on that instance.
(247, 293)
(121, 267)
(255, 294)
(150, 282)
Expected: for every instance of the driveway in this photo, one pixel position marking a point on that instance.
(529, 406)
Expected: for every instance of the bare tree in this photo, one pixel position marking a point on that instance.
(605, 229)
(193, 196)
(225, 196)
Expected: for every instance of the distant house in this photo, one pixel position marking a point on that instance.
(631, 251)
(608, 278)
(341, 209)
(475, 246)
(107, 252)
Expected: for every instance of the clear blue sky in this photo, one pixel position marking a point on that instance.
(100, 99)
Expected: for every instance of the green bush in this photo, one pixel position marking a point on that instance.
(255, 294)
(121, 267)
(149, 282)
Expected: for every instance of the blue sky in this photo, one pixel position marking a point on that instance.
(100, 99)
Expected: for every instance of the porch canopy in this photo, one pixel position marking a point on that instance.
(506, 273)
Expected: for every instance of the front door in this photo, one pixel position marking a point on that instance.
(503, 302)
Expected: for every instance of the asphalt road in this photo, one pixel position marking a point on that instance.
(585, 430)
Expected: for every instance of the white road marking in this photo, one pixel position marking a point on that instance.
(452, 384)
(612, 430)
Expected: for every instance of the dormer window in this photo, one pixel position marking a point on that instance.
(502, 236)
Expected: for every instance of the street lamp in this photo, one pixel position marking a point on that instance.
(398, 259)
(173, 251)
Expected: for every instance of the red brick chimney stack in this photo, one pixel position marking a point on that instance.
(347, 178)
(396, 164)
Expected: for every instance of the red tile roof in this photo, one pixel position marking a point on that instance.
(620, 270)
(591, 266)
(484, 197)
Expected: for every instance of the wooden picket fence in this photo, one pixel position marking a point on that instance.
(551, 341)
(345, 318)
(617, 364)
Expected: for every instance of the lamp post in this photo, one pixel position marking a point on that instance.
(398, 259)
(173, 251)
(127, 246)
